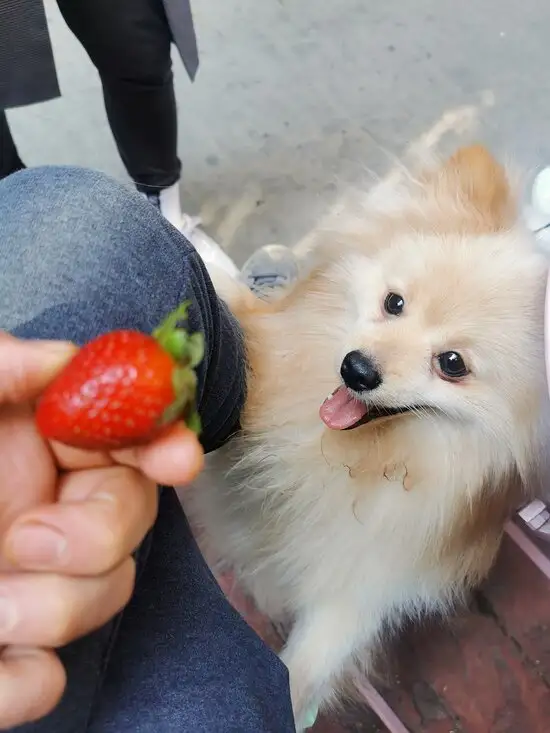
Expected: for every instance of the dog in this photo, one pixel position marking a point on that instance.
(396, 415)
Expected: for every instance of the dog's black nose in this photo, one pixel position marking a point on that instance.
(359, 372)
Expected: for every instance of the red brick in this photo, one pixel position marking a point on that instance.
(354, 720)
(476, 674)
(519, 594)
(480, 681)
(411, 696)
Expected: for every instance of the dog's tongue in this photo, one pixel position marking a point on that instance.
(341, 410)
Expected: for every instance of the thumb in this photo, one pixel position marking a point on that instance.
(26, 367)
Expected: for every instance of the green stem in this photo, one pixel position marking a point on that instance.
(168, 326)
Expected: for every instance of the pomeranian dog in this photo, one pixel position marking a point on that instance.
(421, 317)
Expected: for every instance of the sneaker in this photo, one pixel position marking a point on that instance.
(167, 201)
(209, 250)
(270, 268)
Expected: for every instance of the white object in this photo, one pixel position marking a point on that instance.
(537, 213)
(170, 205)
(209, 250)
(540, 196)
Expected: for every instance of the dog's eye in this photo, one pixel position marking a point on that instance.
(394, 304)
(452, 365)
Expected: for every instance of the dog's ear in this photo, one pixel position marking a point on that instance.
(476, 179)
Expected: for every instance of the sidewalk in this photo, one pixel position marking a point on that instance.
(293, 98)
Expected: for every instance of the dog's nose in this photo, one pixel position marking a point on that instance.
(359, 372)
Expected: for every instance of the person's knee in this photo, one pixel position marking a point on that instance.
(69, 234)
(68, 191)
(58, 212)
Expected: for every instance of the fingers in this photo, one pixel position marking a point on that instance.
(76, 459)
(102, 516)
(173, 459)
(31, 684)
(103, 513)
(28, 473)
(46, 610)
(26, 367)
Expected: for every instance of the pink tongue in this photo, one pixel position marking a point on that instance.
(341, 410)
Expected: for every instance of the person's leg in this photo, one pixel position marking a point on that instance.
(129, 43)
(183, 659)
(81, 255)
(10, 162)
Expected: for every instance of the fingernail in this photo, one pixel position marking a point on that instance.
(8, 613)
(38, 546)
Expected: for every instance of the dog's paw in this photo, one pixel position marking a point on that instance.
(304, 704)
(308, 719)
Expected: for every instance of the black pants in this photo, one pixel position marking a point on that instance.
(129, 42)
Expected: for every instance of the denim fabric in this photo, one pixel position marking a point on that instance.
(81, 255)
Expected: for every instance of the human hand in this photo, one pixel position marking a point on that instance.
(69, 521)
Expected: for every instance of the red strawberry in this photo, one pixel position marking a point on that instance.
(123, 388)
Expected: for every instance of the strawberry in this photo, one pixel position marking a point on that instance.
(124, 388)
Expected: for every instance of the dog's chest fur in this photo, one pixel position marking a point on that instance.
(300, 525)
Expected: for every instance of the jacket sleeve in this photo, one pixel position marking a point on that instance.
(27, 67)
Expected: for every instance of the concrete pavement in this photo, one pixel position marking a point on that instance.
(296, 97)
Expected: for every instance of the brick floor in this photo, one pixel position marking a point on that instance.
(487, 670)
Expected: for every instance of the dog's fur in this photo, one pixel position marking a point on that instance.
(350, 532)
